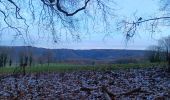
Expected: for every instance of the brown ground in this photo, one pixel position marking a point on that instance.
(150, 83)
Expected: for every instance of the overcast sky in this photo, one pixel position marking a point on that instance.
(116, 40)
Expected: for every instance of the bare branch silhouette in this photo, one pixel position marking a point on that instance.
(56, 17)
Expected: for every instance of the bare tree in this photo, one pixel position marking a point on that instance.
(161, 51)
(49, 56)
(3, 59)
(154, 53)
(30, 60)
(23, 57)
(152, 24)
(10, 61)
(55, 16)
(165, 45)
(65, 17)
(4, 56)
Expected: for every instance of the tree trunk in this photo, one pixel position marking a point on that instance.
(169, 66)
(169, 63)
(24, 70)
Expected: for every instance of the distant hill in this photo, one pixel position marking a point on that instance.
(69, 54)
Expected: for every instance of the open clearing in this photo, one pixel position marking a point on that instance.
(70, 67)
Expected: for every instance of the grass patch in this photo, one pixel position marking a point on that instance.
(69, 67)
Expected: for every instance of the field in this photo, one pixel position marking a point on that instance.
(70, 67)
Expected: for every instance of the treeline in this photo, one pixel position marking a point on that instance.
(26, 56)
(5, 57)
(3, 60)
(161, 51)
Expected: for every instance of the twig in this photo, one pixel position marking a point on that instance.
(108, 95)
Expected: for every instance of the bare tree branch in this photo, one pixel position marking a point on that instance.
(57, 17)
(130, 28)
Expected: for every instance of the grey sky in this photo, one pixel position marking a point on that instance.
(116, 40)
